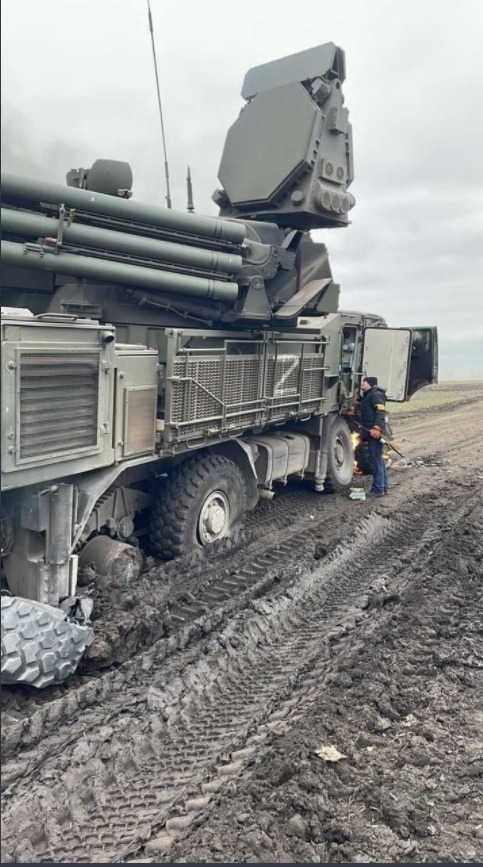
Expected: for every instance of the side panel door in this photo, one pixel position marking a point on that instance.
(403, 359)
(423, 363)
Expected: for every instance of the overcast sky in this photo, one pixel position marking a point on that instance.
(78, 83)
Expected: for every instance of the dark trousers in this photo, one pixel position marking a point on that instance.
(380, 482)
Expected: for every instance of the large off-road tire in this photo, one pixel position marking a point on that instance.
(40, 646)
(200, 503)
(340, 466)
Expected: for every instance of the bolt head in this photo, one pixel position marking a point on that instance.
(297, 197)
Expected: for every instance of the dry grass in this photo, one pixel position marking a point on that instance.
(436, 396)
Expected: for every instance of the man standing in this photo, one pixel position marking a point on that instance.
(372, 413)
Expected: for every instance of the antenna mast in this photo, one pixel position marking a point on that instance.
(166, 170)
(191, 207)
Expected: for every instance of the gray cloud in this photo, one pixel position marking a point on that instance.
(78, 83)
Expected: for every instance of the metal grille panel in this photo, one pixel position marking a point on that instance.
(58, 402)
(200, 394)
(228, 392)
(312, 388)
(286, 385)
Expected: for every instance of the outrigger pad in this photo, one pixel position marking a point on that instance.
(41, 645)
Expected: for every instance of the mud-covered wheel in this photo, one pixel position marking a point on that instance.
(200, 503)
(40, 645)
(340, 466)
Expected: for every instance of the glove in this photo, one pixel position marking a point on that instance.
(375, 433)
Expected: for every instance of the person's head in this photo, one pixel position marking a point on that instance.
(368, 382)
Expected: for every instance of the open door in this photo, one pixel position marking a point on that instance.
(403, 359)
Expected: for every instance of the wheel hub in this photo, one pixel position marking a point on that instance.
(339, 452)
(214, 518)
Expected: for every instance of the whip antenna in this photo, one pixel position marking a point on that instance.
(166, 171)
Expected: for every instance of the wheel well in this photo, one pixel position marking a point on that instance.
(241, 455)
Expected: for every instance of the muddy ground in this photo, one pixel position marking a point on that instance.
(312, 694)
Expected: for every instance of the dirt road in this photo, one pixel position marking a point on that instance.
(314, 693)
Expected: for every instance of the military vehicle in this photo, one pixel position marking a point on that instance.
(162, 370)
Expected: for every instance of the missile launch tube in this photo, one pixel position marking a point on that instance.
(110, 271)
(29, 225)
(30, 190)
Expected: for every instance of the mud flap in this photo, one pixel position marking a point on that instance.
(41, 645)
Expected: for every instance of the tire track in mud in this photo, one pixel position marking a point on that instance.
(234, 580)
(450, 578)
(262, 544)
(121, 781)
(243, 574)
(202, 582)
(426, 432)
(176, 585)
(202, 592)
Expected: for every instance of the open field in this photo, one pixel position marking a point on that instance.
(314, 693)
(433, 398)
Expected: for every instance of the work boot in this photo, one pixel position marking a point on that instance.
(376, 494)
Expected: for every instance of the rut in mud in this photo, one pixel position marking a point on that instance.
(166, 732)
(382, 759)
(324, 631)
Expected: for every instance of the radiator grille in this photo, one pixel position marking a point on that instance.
(58, 402)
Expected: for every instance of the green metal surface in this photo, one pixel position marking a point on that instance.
(29, 225)
(30, 190)
(117, 272)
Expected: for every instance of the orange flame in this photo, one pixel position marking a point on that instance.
(355, 440)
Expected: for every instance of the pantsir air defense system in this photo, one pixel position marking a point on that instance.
(162, 370)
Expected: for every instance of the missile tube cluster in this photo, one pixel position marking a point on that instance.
(152, 248)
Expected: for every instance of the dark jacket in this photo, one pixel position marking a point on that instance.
(373, 409)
